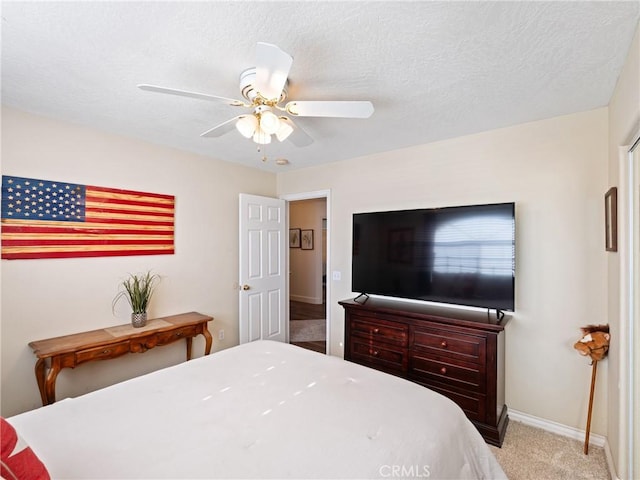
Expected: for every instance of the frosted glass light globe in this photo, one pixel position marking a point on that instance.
(247, 125)
(269, 122)
(261, 137)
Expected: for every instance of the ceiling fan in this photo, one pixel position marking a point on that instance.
(264, 88)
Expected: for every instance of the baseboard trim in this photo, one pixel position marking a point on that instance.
(303, 299)
(557, 428)
(610, 464)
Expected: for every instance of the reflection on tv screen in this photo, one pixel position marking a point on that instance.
(460, 255)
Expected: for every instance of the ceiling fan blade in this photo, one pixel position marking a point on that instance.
(272, 70)
(224, 127)
(298, 137)
(346, 109)
(184, 93)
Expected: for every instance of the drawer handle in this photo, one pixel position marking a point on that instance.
(106, 352)
(179, 334)
(376, 353)
(376, 330)
(443, 370)
(444, 344)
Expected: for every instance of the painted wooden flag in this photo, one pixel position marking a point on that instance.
(48, 219)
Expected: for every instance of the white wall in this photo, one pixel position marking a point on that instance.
(45, 298)
(555, 170)
(305, 266)
(624, 124)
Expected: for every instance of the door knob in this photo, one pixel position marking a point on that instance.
(246, 287)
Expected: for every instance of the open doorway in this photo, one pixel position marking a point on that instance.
(308, 273)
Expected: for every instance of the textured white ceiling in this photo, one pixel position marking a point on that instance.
(433, 70)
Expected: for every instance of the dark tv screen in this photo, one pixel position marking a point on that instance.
(459, 255)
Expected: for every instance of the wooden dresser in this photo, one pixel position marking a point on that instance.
(458, 353)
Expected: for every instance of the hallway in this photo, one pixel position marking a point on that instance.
(307, 325)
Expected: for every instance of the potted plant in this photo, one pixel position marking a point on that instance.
(137, 289)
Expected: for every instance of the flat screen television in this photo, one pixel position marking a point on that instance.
(458, 255)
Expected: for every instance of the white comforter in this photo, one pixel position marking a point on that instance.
(260, 410)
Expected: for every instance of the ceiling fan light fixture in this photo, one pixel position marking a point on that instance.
(264, 87)
(247, 125)
(261, 137)
(269, 122)
(284, 131)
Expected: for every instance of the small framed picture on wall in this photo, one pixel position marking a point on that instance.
(294, 238)
(611, 219)
(306, 238)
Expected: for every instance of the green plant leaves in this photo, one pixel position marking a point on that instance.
(137, 289)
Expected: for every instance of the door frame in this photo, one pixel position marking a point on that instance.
(293, 197)
(634, 334)
(628, 361)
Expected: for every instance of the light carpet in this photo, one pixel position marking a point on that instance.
(529, 453)
(307, 330)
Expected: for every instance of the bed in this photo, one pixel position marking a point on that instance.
(259, 410)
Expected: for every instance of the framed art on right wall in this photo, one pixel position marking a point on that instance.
(611, 219)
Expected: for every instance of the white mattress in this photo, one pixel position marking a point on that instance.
(259, 410)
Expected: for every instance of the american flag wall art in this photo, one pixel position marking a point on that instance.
(49, 219)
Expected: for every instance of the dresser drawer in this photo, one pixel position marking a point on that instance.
(467, 377)
(174, 335)
(380, 331)
(103, 352)
(378, 355)
(474, 406)
(444, 343)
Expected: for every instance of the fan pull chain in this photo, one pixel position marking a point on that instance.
(262, 149)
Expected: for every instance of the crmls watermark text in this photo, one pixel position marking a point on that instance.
(404, 471)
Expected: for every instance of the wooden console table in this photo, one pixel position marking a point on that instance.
(69, 351)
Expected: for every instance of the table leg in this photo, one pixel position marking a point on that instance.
(50, 382)
(40, 378)
(208, 340)
(189, 343)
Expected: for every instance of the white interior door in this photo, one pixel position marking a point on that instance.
(263, 300)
